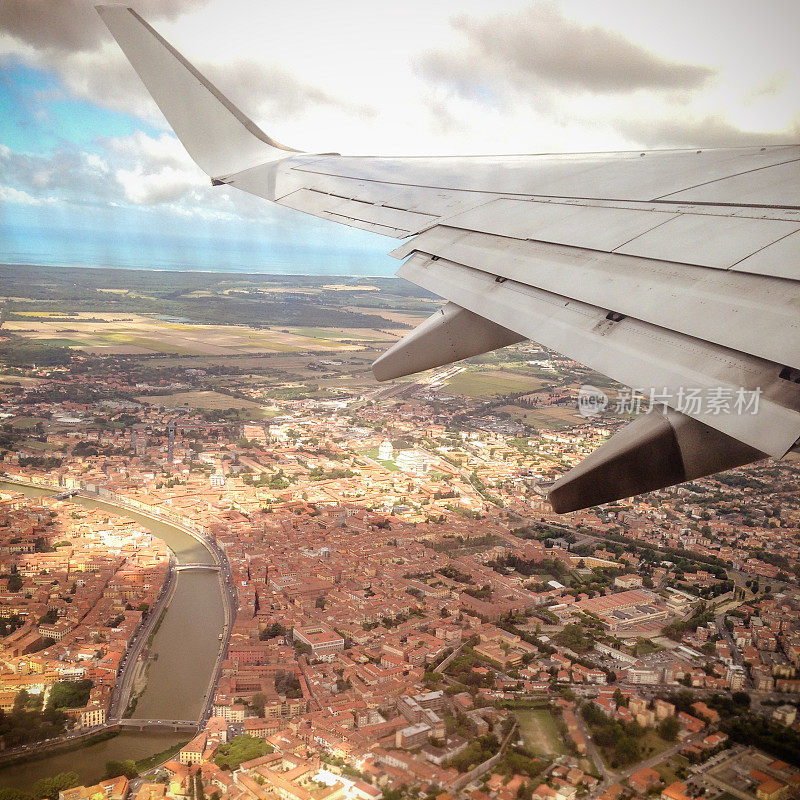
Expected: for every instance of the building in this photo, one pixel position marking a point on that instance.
(413, 461)
(642, 676)
(322, 639)
(628, 582)
(385, 451)
(675, 791)
(192, 752)
(735, 677)
(92, 715)
(254, 432)
(412, 736)
(786, 715)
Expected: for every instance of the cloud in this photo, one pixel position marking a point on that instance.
(153, 170)
(69, 37)
(69, 172)
(539, 45)
(71, 25)
(708, 131)
(149, 172)
(8, 194)
(270, 92)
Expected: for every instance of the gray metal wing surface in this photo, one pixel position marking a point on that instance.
(676, 273)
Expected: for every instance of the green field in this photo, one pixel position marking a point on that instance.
(540, 732)
(199, 399)
(487, 383)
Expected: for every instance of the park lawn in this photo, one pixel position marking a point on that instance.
(373, 454)
(668, 770)
(651, 744)
(548, 417)
(24, 423)
(198, 399)
(540, 732)
(487, 383)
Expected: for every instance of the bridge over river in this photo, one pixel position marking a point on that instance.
(175, 725)
(206, 567)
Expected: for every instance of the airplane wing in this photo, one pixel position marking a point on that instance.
(676, 273)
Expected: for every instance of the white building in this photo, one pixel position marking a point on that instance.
(385, 451)
(413, 461)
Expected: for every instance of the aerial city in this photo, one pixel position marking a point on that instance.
(510, 513)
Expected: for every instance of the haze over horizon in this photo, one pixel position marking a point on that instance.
(90, 174)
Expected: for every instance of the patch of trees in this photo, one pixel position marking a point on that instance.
(70, 694)
(14, 583)
(455, 574)
(574, 637)
(10, 624)
(239, 749)
(618, 742)
(701, 616)
(286, 683)
(116, 768)
(27, 722)
(44, 463)
(20, 352)
(318, 474)
(478, 751)
(779, 740)
(483, 593)
(276, 629)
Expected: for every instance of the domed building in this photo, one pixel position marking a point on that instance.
(385, 451)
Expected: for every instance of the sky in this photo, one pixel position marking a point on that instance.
(91, 175)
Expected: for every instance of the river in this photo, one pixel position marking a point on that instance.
(187, 644)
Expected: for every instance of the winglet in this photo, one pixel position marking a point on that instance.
(216, 134)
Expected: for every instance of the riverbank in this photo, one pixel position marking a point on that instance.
(186, 643)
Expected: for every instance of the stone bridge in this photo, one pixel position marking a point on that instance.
(183, 725)
(185, 567)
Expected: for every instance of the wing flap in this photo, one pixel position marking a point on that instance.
(448, 335)
(635, 353)
(657, 449)
(708, 240)
(750, 313)
(394, 222)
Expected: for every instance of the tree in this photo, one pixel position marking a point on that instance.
(70, 694)
(50, 787)
(627, 750)
(14, 582)
(239, 749)
(668, 729)
(258, 703)
(741, 699)
(116, 768)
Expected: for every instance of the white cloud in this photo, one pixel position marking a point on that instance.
(8, 194)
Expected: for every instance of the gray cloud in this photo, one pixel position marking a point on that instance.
(70, 37)
(67, 172)
(269, 91)
(709, 131)
(541, 46)
(71, 25)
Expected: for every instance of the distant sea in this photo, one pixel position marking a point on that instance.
(158, 250)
